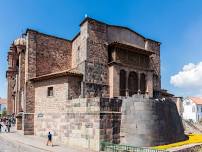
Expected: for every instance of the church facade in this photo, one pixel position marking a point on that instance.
(74, 87)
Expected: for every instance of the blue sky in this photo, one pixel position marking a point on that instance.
(177, 24)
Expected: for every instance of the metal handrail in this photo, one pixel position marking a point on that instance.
(110, 147)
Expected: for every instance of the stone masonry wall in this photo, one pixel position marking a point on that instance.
(98, 36)
(10, 75)
(79, 46)
(64, 88)
(87, 120)
(96, 80)
(21, 78)
(148, 122)
(110, 119)
(30, 72)
(44, 55)
(10, 89)
(74, 87)
(96, 70)
(52, 54)
(51, 103)
(155, 63)
(77, 49)
(78, 120)
(28, 117)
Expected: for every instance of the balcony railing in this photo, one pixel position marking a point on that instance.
(110, 147)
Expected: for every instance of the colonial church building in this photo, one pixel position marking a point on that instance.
(53, 81)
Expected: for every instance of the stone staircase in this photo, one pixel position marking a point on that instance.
(191, 127)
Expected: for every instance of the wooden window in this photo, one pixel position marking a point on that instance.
(50, 91)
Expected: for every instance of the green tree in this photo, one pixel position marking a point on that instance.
(4, 112)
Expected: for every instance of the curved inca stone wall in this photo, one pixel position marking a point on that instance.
(148, 122)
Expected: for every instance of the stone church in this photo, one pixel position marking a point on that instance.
(77, 88)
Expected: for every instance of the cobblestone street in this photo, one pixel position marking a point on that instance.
(8, 146)
(16, 142)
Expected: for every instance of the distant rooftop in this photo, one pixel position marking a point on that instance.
(196, 100)
(3, 101)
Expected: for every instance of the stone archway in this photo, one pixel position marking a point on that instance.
(142, 83)
(122, 87)
(132, 83)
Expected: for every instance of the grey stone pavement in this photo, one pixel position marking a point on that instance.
(16, 142)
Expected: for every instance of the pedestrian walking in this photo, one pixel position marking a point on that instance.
(0, 126)
(49, 139)
(8, 125)
(5, 124)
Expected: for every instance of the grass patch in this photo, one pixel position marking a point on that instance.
(193, 138)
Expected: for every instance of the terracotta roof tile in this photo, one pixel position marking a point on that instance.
(196, 100)
(71, 72)
(3, 101)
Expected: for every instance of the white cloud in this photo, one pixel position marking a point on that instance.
(190, 77)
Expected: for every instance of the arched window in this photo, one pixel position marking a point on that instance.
(132, 83)
(122, 87)
(142, 83)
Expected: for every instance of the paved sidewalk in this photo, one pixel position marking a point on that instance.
(38, 143)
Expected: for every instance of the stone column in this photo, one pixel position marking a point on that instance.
(10, 105)
(114, 77)
(10, 73)
(149, 84)
(30, 72)
(21, 74)
(17, 93)
(127, 90)
(82, 89)
(138, 74)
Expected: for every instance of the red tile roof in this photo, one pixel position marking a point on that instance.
(196, 100)
(57, 74)
(3, 101)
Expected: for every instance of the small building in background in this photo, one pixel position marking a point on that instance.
(3, 105)
(192, 109)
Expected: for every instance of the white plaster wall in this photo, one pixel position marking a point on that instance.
(188, 113)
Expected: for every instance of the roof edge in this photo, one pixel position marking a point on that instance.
(124, 27)
(49, 35)
(77, 35)
(55, 75)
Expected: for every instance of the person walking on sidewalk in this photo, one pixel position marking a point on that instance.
(49, 139)
(0, 125)
(5, 125)
(8, 125)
